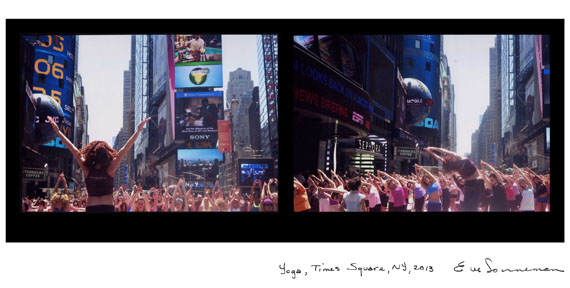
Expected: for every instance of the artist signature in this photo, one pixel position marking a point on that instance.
(490, 268)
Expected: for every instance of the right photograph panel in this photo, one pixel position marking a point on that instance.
(421, 123)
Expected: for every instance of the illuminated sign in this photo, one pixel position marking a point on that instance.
(371, 146)
(270, 65)
(319, 89)
(53, 76)
(255, 169)
(203, 162)
(197, 115)
(198, 61)
(429, 123)
(426, 102)
(224, 136)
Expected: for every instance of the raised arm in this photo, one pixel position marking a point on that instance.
(338, 190)
(442, 179)
(499, 177)
(485, 177)
(327, 179)
(417, 168)
(435, 156)
(526, 178)
(146, 202)
(123, 151)
(396, 182)
(74, 151)
(429, 175)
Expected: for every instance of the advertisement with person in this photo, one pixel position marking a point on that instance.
(197, 115)
(199, 164)
(255, 169)
(198, 61)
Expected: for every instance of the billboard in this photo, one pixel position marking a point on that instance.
(160, 66)
(164, 133)
(198, 61)
(224, 136)
(196, 117)
(423, 64)
(255, 169)
(320, 89)
(199, 163)
(53, 76)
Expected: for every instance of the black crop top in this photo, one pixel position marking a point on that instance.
(467, 169)
(99, 183)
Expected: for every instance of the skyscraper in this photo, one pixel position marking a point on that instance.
(240, 87)
(267, 56)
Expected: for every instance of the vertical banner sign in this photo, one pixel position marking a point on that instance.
(170, 47)
(53, 76)
(224, 136)
(539, 67)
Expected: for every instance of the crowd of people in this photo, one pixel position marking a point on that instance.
(459, 186)
(172, 198)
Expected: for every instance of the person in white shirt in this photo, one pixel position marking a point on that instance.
(527, 202)
(196, 47)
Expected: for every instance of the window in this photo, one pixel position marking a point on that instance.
(410, 63)
(50, 59)
(431, 48)
(329, 50)
(306, 41)
(61, 83)
(418, 44)
(41, 78)
(349, 62)
(428, 66)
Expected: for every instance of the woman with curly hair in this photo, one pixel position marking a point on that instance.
(454, 163)
(98, 161)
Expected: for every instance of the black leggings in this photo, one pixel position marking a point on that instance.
(473, 190)
(419, 204)
(445, 199)
(100, 209)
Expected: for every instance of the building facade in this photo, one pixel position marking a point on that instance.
(421, 60)
(268, 68)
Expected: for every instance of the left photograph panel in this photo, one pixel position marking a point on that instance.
(149, 123)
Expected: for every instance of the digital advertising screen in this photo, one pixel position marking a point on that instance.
(197, 115)
(160, 65)
(164, 133)
(198, 61)
(199, 163)
(255, 169)
(54, 76)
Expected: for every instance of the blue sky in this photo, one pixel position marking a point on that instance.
(202, 154)
(468, 58)
(103, 58)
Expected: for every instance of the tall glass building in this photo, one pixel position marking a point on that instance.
(142, 87)
(507, 82)
(267, 60)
